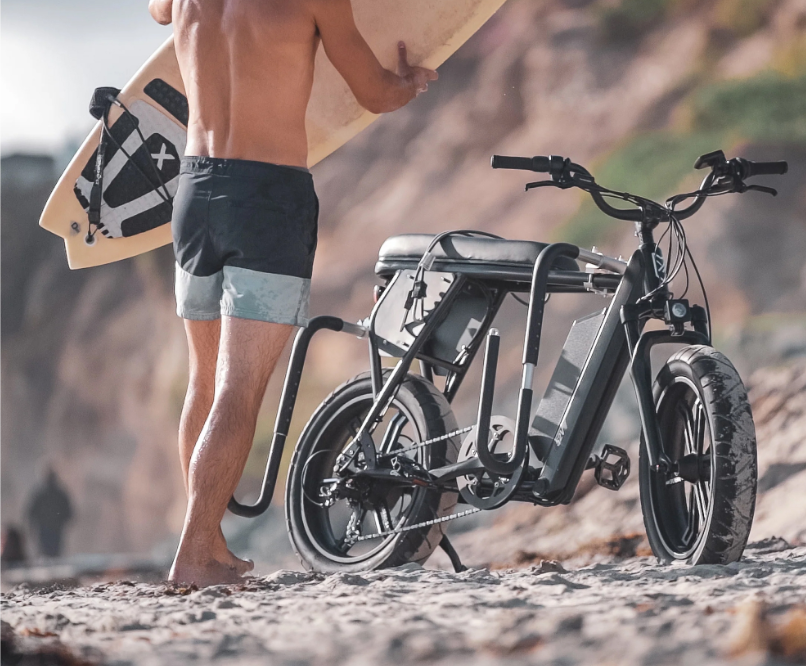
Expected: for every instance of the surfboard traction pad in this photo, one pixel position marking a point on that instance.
(131, 203)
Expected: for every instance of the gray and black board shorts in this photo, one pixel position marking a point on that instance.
(244, 237)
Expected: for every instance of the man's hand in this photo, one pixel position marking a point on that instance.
(160, 11)
(417, 76)
(376, 88)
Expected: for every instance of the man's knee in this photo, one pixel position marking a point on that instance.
(237, 400)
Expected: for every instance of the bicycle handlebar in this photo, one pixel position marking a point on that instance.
(552, 164)
(565, 173)
(538, 164)
(555, 166)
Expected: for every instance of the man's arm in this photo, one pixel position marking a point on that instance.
(160, 10)
(377, 89)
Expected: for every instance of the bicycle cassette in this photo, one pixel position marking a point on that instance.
(483, 489)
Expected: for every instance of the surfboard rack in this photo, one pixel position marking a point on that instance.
(288, 400)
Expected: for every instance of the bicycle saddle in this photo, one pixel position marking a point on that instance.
(483, 257)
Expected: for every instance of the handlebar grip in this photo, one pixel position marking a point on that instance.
(764, 168)
(539, 164)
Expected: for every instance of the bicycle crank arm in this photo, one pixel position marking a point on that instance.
(442, 475)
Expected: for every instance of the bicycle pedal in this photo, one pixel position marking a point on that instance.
(613, 467)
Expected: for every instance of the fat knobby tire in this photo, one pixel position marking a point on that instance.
(733, 493)
(434, 418)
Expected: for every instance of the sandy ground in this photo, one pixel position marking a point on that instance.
(602, 605)
(629, 612)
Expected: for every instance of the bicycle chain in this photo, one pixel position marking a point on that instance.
(416, 526)
(433, 440)
(426, 523)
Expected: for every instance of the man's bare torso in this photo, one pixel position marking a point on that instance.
(248, 71)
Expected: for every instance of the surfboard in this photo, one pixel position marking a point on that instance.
(141, 165)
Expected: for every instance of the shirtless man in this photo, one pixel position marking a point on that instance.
(245, 224)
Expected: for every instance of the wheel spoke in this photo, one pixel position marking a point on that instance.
(701, 502)
(690, 533)
(706, 482)
(688, 434)
(699, 427)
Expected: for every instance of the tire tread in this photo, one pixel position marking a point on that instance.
(734, 441)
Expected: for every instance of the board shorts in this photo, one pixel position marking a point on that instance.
(244, 237)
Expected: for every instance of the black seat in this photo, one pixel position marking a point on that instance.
(480, 257)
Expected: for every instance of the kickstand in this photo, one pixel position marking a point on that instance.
(450, 551)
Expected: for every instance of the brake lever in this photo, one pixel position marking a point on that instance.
(760, 188)
(563, 185)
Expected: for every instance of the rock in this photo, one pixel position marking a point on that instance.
(548, 566)
(410, 566)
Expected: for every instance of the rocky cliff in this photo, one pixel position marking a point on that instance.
(93, 362)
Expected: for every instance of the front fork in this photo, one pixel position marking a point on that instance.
(640, 344)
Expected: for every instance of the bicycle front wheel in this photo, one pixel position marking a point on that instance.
(702, 512)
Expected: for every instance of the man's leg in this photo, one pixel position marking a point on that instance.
(203, 339)
(248, 353)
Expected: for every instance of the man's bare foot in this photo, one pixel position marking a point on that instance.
(241, 566)
(204, 574)
(224, 554)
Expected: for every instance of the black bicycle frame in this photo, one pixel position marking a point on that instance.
(619, 345)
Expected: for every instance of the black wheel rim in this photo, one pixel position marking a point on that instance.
(682, 502)
(388, 507)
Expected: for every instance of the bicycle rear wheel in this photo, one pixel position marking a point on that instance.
(337, 534)
(703, 511)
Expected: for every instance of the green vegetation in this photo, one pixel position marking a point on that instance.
(767, 107)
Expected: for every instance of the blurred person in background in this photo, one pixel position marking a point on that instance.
(49, 511)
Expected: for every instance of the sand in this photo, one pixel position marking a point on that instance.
(633, 611)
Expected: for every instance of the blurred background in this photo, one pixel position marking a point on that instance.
(94, 362)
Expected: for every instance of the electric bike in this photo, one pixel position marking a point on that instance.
(382, 466)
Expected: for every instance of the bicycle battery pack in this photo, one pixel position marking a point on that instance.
(547, 429)
(582, 391)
